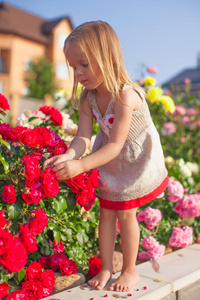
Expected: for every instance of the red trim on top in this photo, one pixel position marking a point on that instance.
(128, 204)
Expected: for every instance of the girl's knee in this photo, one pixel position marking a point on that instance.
(129, 214)
(107, 213)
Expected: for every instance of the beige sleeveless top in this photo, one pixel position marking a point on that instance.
(138, 174)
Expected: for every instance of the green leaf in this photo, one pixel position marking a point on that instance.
(21, 274)
(51, 226)
(57, 236)
(5, 143)
(60, 204)
(71, 201)
(4, 163)
(81, 236)
(32, 118)
(14, 210)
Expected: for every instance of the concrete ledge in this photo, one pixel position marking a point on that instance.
(175, 276)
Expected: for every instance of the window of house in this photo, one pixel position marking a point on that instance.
(27, 60)
(2, 87)
(4, 61)
(61, 40)
(62, 71)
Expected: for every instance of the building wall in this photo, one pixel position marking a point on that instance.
(21, 51)
(59, 34)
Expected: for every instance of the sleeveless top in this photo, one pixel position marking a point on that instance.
(138, 174)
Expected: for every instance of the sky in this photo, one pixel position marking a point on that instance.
(158, 33)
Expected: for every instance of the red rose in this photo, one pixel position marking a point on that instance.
(48, 278)
(4, 287)
(6, 131)
(29, 137)
(94, 178)
(78, 183)
(15, 257)
(54, 113)
(82, 199)
(94, 266)
(5, 241)
(33, 191)
(33, 289)
(9, 194)
(56, 117)
(4, 103)
(32, 167)
(49, 183)
(60, 148)
(59, 247)
(39, 222)
(2, 219)
(47, 292)
(44, 260)
(43, 135)
(28, 239)
(34, 271)
(68, 267)
(18, 131)
(55, 259)
(46, 109)
(89, 204)
(55, 138)
(17, 295)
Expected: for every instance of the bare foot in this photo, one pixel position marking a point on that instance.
(124, 282)
(99, 281)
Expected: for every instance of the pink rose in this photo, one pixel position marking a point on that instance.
(181, 237)
(175, 190)
(169, 127)
(150, 216)
(149, 242)
(143, 255)
(188, 206)
(157, 252)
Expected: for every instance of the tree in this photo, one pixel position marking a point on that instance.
(40, 79)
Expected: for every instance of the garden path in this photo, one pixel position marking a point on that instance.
(172, 277)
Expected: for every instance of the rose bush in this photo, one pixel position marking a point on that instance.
(38, 213)
(178, 122)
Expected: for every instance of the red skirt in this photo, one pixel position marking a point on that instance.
(128, 204)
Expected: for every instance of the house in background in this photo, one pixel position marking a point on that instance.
(188, 79)
(25, 37)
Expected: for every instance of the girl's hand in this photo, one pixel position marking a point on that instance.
(68, 169)
(53, 161)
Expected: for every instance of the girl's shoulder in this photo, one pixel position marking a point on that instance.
(132, 96)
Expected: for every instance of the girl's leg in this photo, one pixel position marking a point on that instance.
(107, 237)
(130, 234)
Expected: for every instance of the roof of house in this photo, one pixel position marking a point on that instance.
(22, 23)
(192, 74)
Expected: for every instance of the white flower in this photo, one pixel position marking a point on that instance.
(193, 167)
(185, 170)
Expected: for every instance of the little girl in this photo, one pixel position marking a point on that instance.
(127, 149)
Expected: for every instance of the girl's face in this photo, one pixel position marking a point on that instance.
(88, 74)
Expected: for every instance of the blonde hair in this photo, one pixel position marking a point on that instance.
(98, 40)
